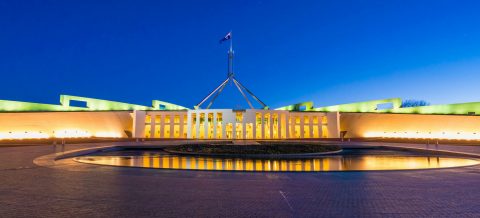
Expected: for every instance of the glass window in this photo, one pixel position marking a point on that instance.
(202, 118)
(194, 118)
(176, 131)
(239, 117)
(157, 131)
(258, 118)
(148, 119)
(148, 129)
(166, 132)
(306, 132)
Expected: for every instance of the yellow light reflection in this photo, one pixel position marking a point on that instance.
(334, 163)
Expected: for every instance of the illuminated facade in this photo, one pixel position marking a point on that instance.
(235, 124)
(102, 118)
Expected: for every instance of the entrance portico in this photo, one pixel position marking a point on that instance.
(235, 124)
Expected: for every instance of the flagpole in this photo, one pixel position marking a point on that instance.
(230, 78)
(230, 57)
(231, 41)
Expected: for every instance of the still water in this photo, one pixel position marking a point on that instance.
(348, 161)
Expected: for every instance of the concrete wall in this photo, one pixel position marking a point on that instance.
(138, 124)
(333, 124)
(100, 124)
(410, 125)
(114, 124)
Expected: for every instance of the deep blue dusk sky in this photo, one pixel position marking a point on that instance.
(286, 51)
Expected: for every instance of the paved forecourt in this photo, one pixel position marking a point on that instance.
(80, 190)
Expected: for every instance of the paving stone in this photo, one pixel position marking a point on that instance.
(27, 190)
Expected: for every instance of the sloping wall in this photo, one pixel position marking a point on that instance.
(410, 125)
(67, 124)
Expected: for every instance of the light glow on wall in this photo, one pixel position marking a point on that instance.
(24, 135)
(65, 133)
(72, 133)
(424, 135)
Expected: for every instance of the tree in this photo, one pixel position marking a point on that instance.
(414, 103)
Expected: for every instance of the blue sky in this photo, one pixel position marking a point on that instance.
(286, 51)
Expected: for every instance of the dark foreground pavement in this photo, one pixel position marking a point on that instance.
(80, 190)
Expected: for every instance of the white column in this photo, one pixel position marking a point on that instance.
(244, 126)
(224, 128)
(172, 123)
(301, 126)
(189, 124)
(215, 125)
(205, 126)
(181, 125)
(287, 124)
(310, 126)
(254, 129)
(270, 119)
(279, 123)
(162, 126)
(197, 125)
(320, 126)
(152, 126)
(263, 124)
(234, 127)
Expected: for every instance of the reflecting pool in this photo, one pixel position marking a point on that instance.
(345, 161)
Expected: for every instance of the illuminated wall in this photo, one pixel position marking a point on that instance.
(386, 118)
(366, 106)
(410, 126)
(16, 106)
(64, 124)
(472, 108)
(91, 104)
(103, 118)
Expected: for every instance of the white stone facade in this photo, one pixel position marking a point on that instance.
(235, 124)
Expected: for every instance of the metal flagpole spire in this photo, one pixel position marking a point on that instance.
(230, 77)
(231, 41)
(230, 56)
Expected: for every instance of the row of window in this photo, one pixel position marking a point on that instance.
(307, 119)
(166, 119)
(166, 131)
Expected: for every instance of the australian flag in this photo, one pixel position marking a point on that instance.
(227, 37)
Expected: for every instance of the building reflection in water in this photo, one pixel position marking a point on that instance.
(331, 163)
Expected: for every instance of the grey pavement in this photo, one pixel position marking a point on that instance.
(81, 190)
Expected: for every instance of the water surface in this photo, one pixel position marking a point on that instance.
(349, 160)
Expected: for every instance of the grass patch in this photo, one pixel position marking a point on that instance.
(267, 148)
